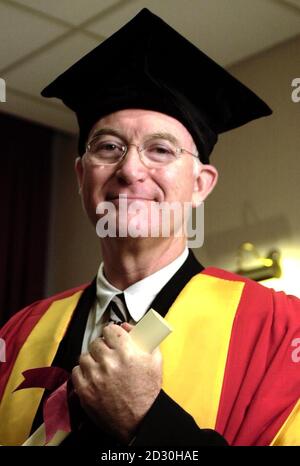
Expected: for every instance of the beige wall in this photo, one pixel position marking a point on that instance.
(258, 195)
(257, 198)
(73, 254)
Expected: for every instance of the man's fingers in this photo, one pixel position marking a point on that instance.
(115, 336)
(157, 355)
(78, 379)
(126, 326)
(98, 348)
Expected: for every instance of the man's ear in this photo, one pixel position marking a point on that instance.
(79, 172)
(204, 183)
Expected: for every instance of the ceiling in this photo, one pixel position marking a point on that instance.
(39, 39)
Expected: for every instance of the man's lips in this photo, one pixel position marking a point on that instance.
(132, 197)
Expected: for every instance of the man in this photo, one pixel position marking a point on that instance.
(149, 119)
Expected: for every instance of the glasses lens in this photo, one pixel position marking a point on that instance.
(105, 151)
(159, 152)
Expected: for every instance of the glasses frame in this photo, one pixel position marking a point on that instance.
(140, 148)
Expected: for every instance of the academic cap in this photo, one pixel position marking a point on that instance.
(148, 65)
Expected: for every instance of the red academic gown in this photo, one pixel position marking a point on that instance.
(231, 364)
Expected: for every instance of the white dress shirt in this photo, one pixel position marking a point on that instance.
(138, 297)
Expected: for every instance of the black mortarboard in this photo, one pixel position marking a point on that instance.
(147, 64)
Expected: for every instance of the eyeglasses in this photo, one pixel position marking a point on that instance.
(104, 150)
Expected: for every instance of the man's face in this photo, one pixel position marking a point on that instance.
(142, 185)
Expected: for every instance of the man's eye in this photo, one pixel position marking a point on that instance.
(161, 150)
(108, 147)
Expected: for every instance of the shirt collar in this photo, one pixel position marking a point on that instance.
(140, 295)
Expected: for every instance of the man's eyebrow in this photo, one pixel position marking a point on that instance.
(118, 134)
(109, 131)
(166, 136)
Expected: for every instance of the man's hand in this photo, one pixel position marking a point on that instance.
(117, 382)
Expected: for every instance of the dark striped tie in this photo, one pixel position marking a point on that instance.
(118, 310)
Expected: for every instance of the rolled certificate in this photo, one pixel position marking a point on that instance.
(148, 333)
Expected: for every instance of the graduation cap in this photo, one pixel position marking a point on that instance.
(149, 65)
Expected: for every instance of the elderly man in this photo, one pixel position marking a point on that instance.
(150, 106)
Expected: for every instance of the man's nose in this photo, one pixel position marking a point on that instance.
(131, 168)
